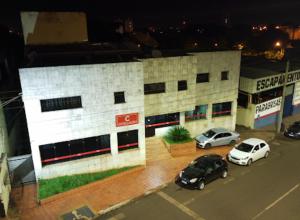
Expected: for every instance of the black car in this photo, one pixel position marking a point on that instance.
(293, 131)
(202, 171)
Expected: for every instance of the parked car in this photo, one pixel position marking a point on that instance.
(249, 151)
(203, 170)
(293, 131)
(217, 137)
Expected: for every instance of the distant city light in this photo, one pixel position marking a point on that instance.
(277, 44)
(277, 27)
(216, 44)
(195, 44)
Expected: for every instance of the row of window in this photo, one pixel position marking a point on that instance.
(76, 149)
(200, 111)
(154, 88)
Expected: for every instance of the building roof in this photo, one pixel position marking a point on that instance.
(87, 53)
(259, 67)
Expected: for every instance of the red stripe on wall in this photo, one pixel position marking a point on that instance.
(191, 116)
(129, 145)
(162, 123)
(264, 116)
(218, 113)
(75, 155)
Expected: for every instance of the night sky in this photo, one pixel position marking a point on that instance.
(164, 12)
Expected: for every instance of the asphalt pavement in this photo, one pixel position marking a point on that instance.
(268, 189)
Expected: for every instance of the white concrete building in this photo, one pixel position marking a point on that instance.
(85, 110)
(86, 118)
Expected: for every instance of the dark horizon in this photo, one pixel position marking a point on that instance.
(165, 13)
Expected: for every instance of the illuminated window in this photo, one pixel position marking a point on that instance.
(198, 113)
(221, 109)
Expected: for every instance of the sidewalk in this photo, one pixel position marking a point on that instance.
(104, 194)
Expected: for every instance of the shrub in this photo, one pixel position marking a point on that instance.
(178, 134)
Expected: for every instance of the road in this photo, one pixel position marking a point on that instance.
(268, 189)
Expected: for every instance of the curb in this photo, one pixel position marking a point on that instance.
(119, 205)
(87, 186)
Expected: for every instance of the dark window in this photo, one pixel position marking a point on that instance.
(198, 113)
(128, 140)
(243, 100)
(119, 97)
(264, 96)
(159, 121)
(218, 136)
(262, 145)
(224, 75)
(202, 77)
(154, 88)
(226, 135)
(256, 148)
(182, 85)
(221, 109)
(61, 103)
(74, 149)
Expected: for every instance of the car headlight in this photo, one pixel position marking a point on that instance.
(193, 180)
(245, 158)
(180, 174)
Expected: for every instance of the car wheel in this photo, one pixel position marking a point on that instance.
(266, 154)
(232, 142)
(249, 162)
(224, 174)
(207, 145)
(201, 185)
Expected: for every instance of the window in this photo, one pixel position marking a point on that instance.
(218, 136)
(226, 135)
(256, 148)
(224, 75)
(159, 121)
(128, 140)
(221, 109)
(182, 85)
(61, 103)
(202, 77)
(198, 113)
(119, 97)
(154, 88)
(74, 149)
(262, 145)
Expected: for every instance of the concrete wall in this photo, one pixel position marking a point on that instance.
(246, 116)
(54, 27)
(5, 186)
(171, 70)
(96, 85)
(4, 145)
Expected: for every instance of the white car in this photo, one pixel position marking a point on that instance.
(249, 151)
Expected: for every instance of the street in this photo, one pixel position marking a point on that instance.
(268, 189)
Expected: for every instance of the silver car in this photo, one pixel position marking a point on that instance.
(217, 137)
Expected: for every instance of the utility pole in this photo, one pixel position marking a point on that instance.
(279, 121)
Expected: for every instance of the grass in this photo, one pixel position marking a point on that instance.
(171, 141)
(49, 187)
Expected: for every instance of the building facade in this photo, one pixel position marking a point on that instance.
(87, 118)
(261, 94)
(197, 91)
(75, 112)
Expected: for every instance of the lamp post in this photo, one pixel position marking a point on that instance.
(279, 121)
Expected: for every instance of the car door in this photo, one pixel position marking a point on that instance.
(256, 153)
(227, 138)
(263, 149)
(217, 140)
(209, 173)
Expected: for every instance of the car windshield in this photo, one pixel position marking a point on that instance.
(209, 133)
(244, 147)
(195, 164)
